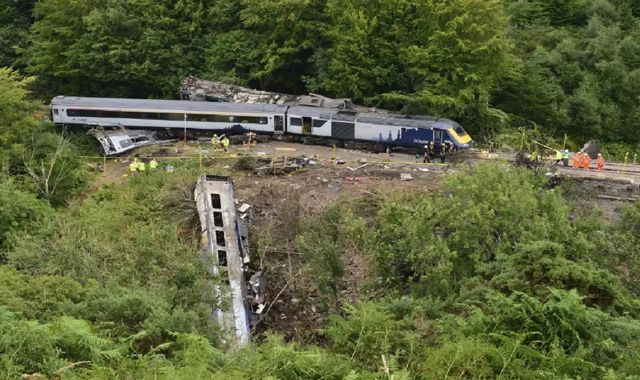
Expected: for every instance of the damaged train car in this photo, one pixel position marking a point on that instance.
(309, 124)
(225, 248)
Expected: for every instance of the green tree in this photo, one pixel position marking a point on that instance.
(135, 48)
(268, 43)
(15, 20)
(458, 56)
(362, 59)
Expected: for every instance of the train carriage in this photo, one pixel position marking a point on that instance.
(381, 129)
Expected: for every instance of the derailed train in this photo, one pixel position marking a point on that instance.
(373, 130)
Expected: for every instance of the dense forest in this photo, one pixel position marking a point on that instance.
(500, 273)
(561, 66)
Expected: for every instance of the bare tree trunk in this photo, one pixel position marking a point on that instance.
(42, 172)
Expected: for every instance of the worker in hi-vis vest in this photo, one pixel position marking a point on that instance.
(225, 144)
(215, 140)
(133, 167)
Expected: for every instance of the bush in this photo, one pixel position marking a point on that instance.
(321, 246)
(19, 210)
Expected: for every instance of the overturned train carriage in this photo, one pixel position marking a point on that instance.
(371, 129)
(225, 248)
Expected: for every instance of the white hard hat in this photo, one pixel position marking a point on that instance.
(599, 154)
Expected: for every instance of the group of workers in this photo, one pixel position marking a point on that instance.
(218, 141)
(581, 159)
(140, 167)
(431, 150)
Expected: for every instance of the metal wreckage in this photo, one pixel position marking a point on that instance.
(225, 249)
(115, 139)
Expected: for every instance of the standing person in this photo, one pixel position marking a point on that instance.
(141, 167)
(586, 161)
(225, 144)
(427, 154)
(133, 166)
(600, 162)
(535, 155)
(558, 156)
(153, 164)
(565, 158)
(577, 160)
(215, 140)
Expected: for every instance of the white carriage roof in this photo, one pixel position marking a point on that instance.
(190, 106)
(163, 105)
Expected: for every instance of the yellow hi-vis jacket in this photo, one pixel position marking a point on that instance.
(153, 164)
(225, 142)
(133, 166)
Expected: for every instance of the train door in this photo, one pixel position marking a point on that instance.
(437, 137)
(306, 125)
(278, 124)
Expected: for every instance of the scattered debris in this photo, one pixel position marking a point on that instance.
(243, 208)
(626, 199)
(359, 167)
(405, 177)
(333, 188)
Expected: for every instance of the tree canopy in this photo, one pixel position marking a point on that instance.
(566, 66)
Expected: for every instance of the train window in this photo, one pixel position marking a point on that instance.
(221, 118)
(295, 121)
(55, 111)
(460, 131)
(217, 219)
(73, 113)
(215, 201)
(132, 115)
(262, 120)
(220, 241)
(197, 117)
(88, 113)
(153, 116)
(175, 116)
(222, 258)
(110, 113)
(234, 119)
(317, 123)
